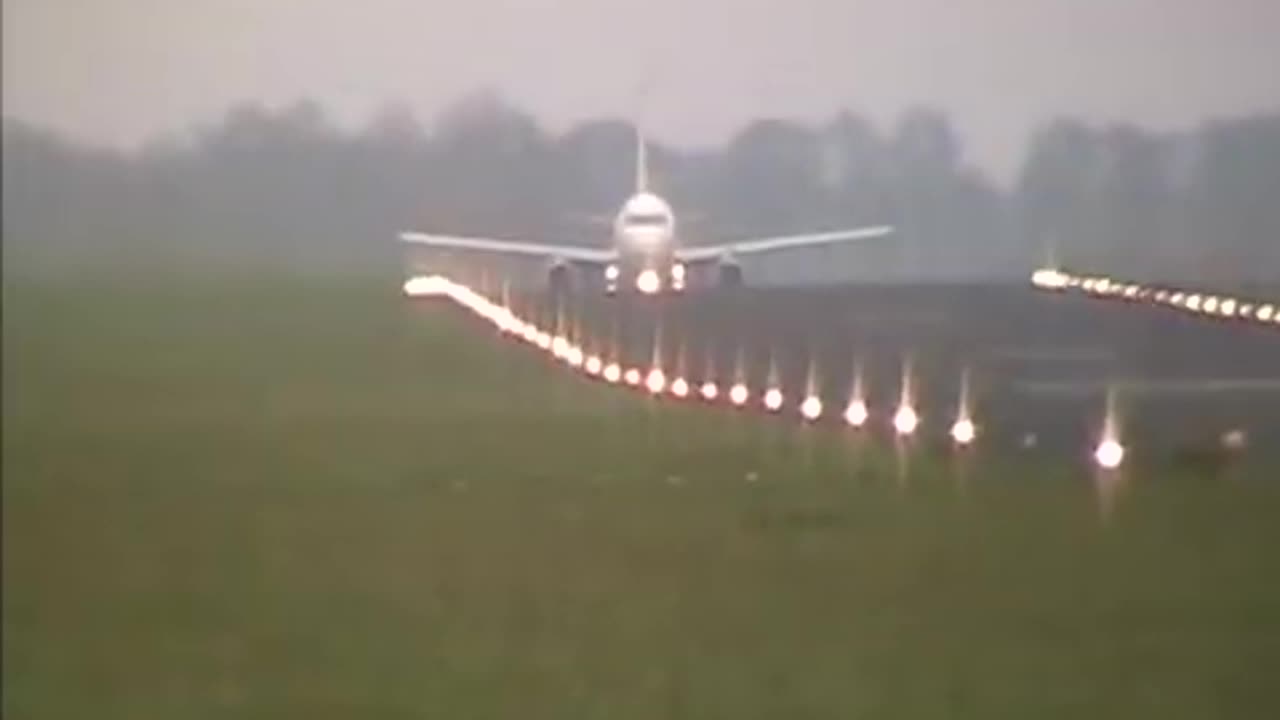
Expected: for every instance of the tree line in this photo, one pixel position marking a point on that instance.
(288, 189)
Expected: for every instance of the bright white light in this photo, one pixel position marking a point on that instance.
(632, 377)
(963, 431)
(1193, 303)
(1110, 454)
(611, 273)
(1049, 278)
(1235, 439)
(1227, 308)
(656, 381)
(1089, 284)
(612, 373)
(856, 414)
(1162, 296)
(1131, 292)
(648, 282)
(1265, 312)
(573, 356)
(427, 286)
(592, 365)
(738, 394)
(559, 346)
(709, 391)
(1246, 310)
(773, 399)
(1178, 299)
(1210, 305)
(811, 408)
(544, 340)
(906, 420)
(505, 321)
(680, 387)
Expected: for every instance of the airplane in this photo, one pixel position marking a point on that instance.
(646, 255)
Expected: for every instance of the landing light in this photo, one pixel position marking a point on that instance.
(738, 394)
(574, 356)
(611, 273)
(963, 432)
(648, 282)
(709, 391)
(680, 387)
(632, 376)
(592, 365)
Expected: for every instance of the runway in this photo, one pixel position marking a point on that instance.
(1039, 365)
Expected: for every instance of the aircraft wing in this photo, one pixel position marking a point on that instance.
(510, 247)
(704, 253)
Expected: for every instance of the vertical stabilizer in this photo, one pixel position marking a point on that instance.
(642, 162)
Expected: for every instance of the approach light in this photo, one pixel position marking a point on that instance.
(680, 387)
(574, 356)
(709, 391)
(1110, 454)
(656, 381)
(738, 394)
(856, 414)
(427, 286)
(811, 408)
(773, 399)
(612, 373)
(963, 431)
(631, 377)
(906, 420)
(592, 365)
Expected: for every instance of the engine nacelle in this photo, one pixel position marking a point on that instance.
(729, 273)
(559, 280)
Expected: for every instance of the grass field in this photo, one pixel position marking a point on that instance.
(318, 501)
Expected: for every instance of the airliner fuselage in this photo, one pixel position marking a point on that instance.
(644, 235)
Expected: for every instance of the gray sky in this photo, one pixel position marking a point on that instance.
(117, 71)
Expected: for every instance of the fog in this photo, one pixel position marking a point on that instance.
(291, 190)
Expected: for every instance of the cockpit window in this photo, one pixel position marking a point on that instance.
(647, 220)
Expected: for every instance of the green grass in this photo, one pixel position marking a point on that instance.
(319, 501)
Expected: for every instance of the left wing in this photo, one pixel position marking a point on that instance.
(703, 253)
(569, 253)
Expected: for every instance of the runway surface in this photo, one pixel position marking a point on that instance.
(1039, 364)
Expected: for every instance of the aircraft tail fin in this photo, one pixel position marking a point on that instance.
(642, 162)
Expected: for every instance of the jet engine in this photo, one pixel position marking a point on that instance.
(559, 281)
(728, 273)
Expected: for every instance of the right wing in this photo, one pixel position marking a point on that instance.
(702, 253)
(508, 247)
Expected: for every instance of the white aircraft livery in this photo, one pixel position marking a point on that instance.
(646, 254)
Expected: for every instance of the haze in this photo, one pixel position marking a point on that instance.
(120, 71)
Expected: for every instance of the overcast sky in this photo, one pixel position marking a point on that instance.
(118, 71)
